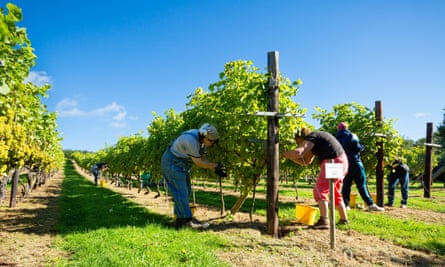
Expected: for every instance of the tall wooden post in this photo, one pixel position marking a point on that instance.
(428, 173)
(379, 172)
(14, 186)
(272, 146)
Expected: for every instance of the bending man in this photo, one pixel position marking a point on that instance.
(187, 150)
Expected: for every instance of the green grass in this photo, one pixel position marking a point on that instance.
(101, 228)
(409, 233)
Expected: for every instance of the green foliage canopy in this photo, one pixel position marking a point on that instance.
(28, 131)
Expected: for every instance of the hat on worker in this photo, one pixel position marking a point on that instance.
(209, 131)
(342, 126)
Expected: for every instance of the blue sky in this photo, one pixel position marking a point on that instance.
(112, 63)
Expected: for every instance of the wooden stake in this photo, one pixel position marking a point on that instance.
(379, 171)
(428, 173)
(272, 146)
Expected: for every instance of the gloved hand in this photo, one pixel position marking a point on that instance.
(220, 170)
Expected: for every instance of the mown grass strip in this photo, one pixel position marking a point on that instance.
(409, 233)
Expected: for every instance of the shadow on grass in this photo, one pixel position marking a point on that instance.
(213, 199)
(437, 247)
(85, 207)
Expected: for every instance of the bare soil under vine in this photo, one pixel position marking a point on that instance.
(27, 234)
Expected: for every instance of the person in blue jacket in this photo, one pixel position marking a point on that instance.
(356, 171)
(97, 170)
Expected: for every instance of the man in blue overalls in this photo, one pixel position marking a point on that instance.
(399, 174)
(188, 149)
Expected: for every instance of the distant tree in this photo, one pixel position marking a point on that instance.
(361, 121)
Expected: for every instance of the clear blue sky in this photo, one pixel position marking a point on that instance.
(112, 63)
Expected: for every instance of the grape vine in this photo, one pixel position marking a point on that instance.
(28, 131)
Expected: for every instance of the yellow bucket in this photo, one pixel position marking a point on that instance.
(192, 208)
(352, 198)
(102, 182)
(374, 197)
(305, 214)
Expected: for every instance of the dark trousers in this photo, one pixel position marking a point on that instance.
(96, 177)
(392, 183)
(356, 173)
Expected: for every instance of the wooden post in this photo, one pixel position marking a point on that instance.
(332, 211)
(221, 195)
(428, 173)
(379, 171)
(272, 146)
(14, 186)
